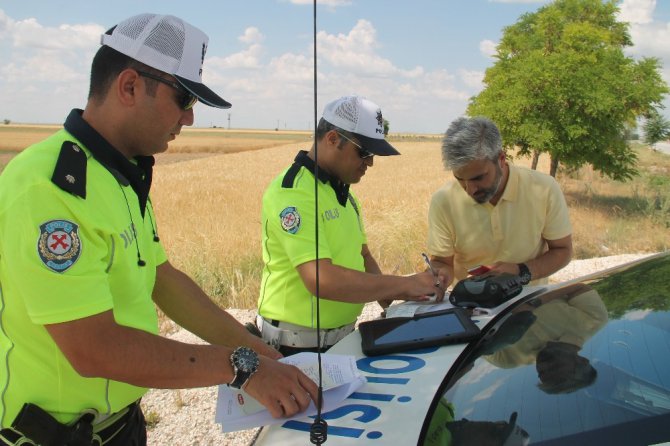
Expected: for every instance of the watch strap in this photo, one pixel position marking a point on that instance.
(524, 273)
(240, 379)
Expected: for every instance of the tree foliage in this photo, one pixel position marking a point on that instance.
(562, 85)
(656, 128)
(642, 287)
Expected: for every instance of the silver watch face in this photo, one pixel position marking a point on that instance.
(245, 359)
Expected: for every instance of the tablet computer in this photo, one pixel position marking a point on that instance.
(384, 336)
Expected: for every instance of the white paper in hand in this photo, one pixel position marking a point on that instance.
(236, 410)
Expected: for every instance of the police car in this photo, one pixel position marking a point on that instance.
(584, 362)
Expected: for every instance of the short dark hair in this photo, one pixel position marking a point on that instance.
(324, 127)
(106, 66)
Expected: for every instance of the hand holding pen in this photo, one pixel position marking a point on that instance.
(438, 284)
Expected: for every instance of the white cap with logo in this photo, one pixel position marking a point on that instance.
(363, 118)
(169, 44)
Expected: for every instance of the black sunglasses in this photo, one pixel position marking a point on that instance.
(186, 99)
(361, 151)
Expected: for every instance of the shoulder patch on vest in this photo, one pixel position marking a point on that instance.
(70, 171)
(290, 220)
(59, 245)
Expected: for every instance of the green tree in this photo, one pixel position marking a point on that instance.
(562, 85)
(386, 127)
(656, 128)
(641, 287)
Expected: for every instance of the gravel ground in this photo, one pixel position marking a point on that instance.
(186, 417)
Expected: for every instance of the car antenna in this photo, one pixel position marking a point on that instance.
(318, 431)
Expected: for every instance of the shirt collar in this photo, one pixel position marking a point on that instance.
(138, 175)
(341, 189)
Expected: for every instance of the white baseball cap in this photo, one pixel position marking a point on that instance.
(169, 44)
(363, 118)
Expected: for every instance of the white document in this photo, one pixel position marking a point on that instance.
(236, 410)
(411, 308)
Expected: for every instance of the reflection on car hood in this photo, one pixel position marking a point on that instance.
(576, 362)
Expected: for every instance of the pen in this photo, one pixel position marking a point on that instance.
(432, 270)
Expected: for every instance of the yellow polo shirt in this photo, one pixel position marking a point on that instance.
(571, 320)
(531, 210)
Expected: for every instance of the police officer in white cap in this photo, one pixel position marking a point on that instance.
(82, 265)
(348, 137)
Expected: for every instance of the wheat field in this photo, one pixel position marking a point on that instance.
(209, 214)
(207, 196)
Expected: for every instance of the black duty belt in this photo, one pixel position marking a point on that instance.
(39, 427)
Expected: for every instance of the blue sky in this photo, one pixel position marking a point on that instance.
(419, 60)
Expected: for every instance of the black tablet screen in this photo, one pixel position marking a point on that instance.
(421, 329)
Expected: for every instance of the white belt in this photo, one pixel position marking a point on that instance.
(291, 335)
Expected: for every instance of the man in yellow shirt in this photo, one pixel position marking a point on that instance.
(506, 218)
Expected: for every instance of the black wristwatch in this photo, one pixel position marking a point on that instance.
(524, 273)
(245, 363)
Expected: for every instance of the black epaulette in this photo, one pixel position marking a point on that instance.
(289, 177)
(70, 171)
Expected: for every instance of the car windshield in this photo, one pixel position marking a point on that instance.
(586, 363)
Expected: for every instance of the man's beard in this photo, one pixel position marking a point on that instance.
(484, 195)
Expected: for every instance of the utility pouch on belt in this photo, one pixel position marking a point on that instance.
(271, 335)
(44, 430)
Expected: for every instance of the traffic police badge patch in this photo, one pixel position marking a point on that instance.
(59, 245)
(290, 220)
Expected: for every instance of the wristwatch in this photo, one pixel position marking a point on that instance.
(245, 363)
(524, 273)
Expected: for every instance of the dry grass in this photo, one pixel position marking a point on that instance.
(614, 218)
(14, 138)
(228, 141)
(191, 144)
(210, 209)
(209, 215)
(208, 206)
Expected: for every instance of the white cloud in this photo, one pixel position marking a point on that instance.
(249, 58)
(651, 39)
(47, 71)
(637, 11)
(487, 47)
(30, 34)
(47, 55)
(44, 66)
(246, 59)
(473, 79)
(251, 35)
(440, 84)
(636, 315)
(5, 23)
(357, 52)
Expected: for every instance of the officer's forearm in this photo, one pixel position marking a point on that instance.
(97, 346)
(347, 285)
(181, 299)
(369, 261)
